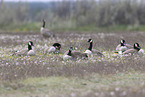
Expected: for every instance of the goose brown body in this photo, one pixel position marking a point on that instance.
(136, 50)
(27, 51)
(90, 51)
(55, 48)
(123, 46)
(45, 32)
(76, 54)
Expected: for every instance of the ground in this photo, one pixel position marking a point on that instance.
(47, 75)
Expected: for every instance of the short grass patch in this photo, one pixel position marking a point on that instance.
(64, 86)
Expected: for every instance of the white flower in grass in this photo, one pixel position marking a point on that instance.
(15, 75)
(117, 89)
(112, 93)
(17, 63)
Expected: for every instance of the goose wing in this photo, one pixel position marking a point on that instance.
(123, 48)
(141, 52)
(88, 52)
(50, 49)
(97, 52)
(78, 54)
(22, 52)
(66, 57)
(132, 51)
(47, 33)
(128, 46)
(118, 46)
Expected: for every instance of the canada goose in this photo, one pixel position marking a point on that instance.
(75, 54)
(90, 51)
(123, 46)
(28, 51)
(68, 54)
(45, 32)
(55, 48)
(136, 50)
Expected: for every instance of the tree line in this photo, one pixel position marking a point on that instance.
(79, 13)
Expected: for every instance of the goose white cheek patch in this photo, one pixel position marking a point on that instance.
(42, 28)
(121, 41)
(29, 43)
(136, 45)
(91, 41)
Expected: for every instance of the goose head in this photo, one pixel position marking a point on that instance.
(57, 46)
(30, 44)
(122, 42)
(137, 47)
(70, 50)
(90, 40)
(91, 44)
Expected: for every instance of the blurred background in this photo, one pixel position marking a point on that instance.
(73, 15)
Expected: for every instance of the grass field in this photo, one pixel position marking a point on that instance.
(49, 76)
(68, 26)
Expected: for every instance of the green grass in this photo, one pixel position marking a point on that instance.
(67, 85)
(69, 26)
(21, 27)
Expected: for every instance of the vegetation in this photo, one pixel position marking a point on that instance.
(49, 75)
(73, 23)
(74, 15)
(122, 84)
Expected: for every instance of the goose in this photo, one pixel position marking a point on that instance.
(45, 32)
(135, 50)
(90, 51)
(75, 54)
(68, 55)
(28, 51)
(122, 46)
(55, 48)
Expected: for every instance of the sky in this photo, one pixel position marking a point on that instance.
(34, 0)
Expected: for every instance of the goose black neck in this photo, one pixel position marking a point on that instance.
(43, 24)
(137, 48)
(122, 44)
(90, 47)
(29, 47)
(69, 53)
